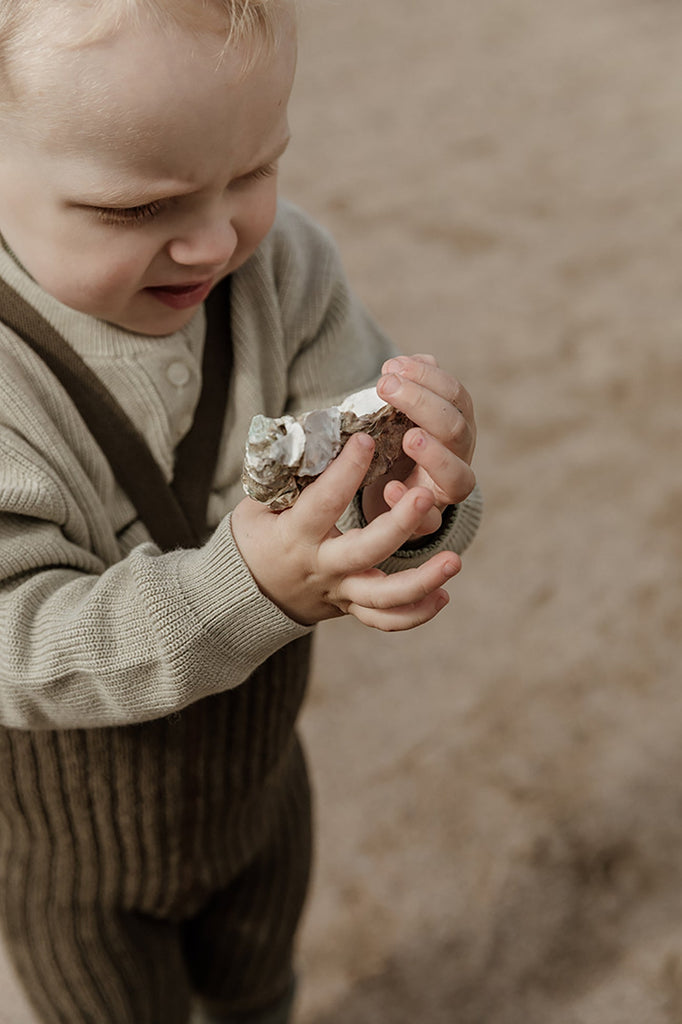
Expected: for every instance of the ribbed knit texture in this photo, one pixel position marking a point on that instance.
(187, 838)
(143, 866)
(154, 805)
(98, 627)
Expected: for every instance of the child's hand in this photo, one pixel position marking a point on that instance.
(301, 561)
(441, 446)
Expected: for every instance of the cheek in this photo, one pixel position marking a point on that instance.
(87, 277)
(256, 220)
(69, 257)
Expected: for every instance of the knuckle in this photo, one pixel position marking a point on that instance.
(432, 522)
(459, 392)
(425, 357)
(461, 399)
(425, 588)
(327, 507)
(459, 433)
(353, 565)
(419, 370)
(357, 557)
(464, 486)
(418, 396)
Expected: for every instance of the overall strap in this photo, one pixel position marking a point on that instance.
(175, 515)
(197, 454)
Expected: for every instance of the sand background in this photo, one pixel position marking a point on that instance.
(499, 794)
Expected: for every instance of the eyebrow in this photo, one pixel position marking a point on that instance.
(131, 197)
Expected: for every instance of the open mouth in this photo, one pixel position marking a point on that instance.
(181, 296)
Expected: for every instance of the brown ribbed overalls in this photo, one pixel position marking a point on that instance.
(144, 865)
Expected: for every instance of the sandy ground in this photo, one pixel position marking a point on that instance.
(499, 800)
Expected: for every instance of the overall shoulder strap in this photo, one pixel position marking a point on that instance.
(197, 454)
(174, 515)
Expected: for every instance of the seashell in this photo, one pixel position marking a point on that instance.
(285, 454)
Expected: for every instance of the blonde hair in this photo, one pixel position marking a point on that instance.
(249, 24)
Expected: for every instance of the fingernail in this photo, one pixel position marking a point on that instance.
(441, 602)
(450, 569)
(423, 504)
(389, 385)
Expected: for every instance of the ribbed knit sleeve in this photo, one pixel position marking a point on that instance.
(317, 341)
(457, 530)
(97, 626)
(89, 644)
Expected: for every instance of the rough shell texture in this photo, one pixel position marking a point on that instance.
(284, 455)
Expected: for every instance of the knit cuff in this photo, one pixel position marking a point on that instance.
(224, 597)
(457, 530)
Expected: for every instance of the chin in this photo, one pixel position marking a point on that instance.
(155, 323)
(155, 328)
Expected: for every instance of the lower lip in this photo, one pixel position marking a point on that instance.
(182, 298)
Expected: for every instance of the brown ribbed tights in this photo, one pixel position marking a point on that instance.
(143, 867)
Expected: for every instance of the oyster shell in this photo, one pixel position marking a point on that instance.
(285, 454)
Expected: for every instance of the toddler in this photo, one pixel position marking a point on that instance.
(155, 624)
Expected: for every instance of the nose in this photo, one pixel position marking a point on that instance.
(208, 242)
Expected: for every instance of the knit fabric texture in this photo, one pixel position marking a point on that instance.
(99, 627)
(155, 806)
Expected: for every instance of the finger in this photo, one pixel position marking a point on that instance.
(452, 477)
(425, 371)
(321, 504)
(431, 522)
(424, 357)
(432, 411)
(360, 549)
(430, 376)
(393, 492)
(421, 357)
(407, 617)
(375, 589)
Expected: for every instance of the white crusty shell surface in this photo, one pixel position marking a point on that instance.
(285, 454)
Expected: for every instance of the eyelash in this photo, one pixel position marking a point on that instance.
(261, 172)
(134, 215)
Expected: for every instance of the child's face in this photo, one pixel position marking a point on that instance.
(143, 171)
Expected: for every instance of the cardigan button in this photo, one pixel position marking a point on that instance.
(178, 374)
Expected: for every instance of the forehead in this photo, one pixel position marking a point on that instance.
(26, 25)
(148, 89)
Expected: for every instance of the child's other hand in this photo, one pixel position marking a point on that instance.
(301, 561)
(440, 447)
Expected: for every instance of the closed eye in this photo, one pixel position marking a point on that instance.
(128, 214)
(135, 215)
(266, 171)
